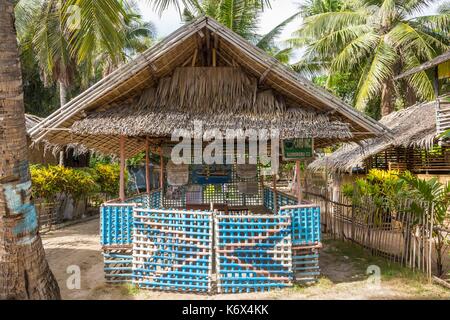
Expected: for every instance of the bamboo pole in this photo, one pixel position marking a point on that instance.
(275, 193)
(122, 169)
(161, 168)
(147, 165)
(297, 172)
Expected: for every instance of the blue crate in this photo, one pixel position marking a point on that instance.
(253, 253)
(116, 225)
(154, 200)
(306, 227)
(282, 199)
(172, 250)
(305, 264)
(118, 265)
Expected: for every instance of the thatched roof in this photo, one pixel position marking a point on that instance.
(159, 90)
(221, 98)
(427, 65)
(412, 127)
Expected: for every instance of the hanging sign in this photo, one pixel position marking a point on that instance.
(298, 149)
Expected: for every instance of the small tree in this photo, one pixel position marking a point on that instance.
(436, 197)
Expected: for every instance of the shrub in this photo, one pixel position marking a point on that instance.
(107, 177)
(49, 181)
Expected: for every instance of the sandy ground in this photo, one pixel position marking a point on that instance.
(343, 269)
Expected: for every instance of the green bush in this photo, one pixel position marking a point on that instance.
(385, 188)
(49, 181)
(107, 177)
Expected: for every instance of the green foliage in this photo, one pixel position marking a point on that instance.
(56, 49)
(137, 160)
(431, 192)
(242, 16)
(107, 177)
(49, 181)
(385, 188)
(373, 41)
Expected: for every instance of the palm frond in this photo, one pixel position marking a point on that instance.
(269, 37)
(380, 68)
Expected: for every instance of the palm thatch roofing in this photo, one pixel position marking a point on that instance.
(201, 72)
(427, 65)
(412, 127)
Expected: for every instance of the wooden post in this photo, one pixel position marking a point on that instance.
(122, 169)
(161, 168)
(297, 172)
(147, 165)
(275, 193)
(436, 81)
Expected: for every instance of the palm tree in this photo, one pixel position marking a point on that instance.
(242, 16)
(376, 40)
(24, 272)
(64, 39)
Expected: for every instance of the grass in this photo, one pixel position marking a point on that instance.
(129, 290)
(361, 259)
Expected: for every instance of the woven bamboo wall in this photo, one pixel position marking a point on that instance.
(412, 159)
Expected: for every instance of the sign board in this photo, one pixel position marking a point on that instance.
(298, 149)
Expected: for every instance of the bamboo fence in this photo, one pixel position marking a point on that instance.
(399, 235)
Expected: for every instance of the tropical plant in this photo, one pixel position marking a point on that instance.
(375, 40)
(384, 188)
(107, 177)
(241, 16)
(436, 197)
(79, 38)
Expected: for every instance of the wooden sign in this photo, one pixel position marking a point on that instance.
(298, 149)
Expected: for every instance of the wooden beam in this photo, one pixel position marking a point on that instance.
(297, 172)
(122, 169)
(161, 168)
(194, 58)
(275, 193)
(214, 57)
(147, 165)
(436, 81)
(208, 48)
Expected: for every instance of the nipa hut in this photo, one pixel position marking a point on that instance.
(414, 146)
(203, 72)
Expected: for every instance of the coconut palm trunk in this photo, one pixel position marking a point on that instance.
(24, 272)
(387, 97)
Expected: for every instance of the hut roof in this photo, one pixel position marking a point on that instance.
(427, 65)
(31, 121)
(172, 84)
(412, 127)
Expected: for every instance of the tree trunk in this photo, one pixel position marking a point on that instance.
(24, 272)
(411, 98)
(62, 102)
(387, 105)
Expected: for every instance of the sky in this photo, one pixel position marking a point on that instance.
(280, 11)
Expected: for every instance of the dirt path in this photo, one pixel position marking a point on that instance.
(343, 267)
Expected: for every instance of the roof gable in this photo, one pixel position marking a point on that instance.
(189, 46)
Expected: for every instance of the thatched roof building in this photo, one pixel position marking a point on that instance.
(413, 128)
(201, 72)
